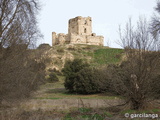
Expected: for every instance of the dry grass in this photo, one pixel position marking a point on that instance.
(57, 91)
(54, 96)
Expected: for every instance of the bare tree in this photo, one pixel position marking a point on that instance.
(18, 22)
(155, 24)
(142, 66)
(21, 72)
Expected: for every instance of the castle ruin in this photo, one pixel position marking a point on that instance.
(79, 32)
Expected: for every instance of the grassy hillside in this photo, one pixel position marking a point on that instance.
(107, 56)
(56, 56)
(96, 55)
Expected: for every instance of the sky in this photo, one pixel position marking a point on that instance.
(107, 16)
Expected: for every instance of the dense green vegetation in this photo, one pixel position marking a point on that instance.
(83, 78)
(70, 71)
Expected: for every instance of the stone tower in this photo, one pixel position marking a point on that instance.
(80, 26)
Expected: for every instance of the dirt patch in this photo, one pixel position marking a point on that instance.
(62, 104)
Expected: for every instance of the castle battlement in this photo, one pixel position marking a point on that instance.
(79, 32)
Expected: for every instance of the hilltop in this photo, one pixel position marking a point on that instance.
(56, 56)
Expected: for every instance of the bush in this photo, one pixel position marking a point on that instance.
(70, 70)
(44, 46)
(57, 72)
(82, 79)
(87, 81)
(52, 77)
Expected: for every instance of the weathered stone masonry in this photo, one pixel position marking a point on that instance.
(79, 32)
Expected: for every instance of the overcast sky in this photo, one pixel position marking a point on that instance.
(106, 15)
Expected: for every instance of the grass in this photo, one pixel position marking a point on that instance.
(100, 55)
(108, 114)
(87, 114)
(96, 55)
(57, 90)
(72, 114)
(88, 53)
(61, 93)
(108, 56)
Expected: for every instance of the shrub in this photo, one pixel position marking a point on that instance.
(57, 72)
(82, 79)
(87, 81)
(44, 46)
(71, 68)
(52, 77)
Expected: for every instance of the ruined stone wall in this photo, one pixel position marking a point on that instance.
(79, 32)
(77, 39)
(54, 36)
(89, 40)
(95, 40)
(60, 38)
